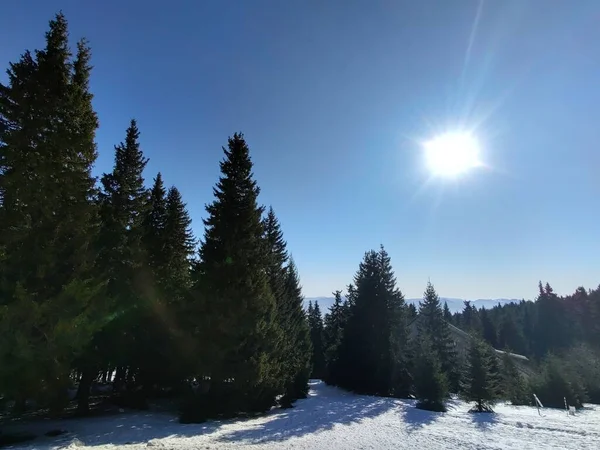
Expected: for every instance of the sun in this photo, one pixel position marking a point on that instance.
(452, 154)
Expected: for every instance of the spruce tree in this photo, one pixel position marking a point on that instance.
(372, 355)
(334, 324)
(154, 228)
(480, 383)
(433, 325)
(430, 382)
(315, 322)
(240, 323)
(294, 347)
(298, 333)
(447, 313)
(179, 245)
(512, 385)
(488, 328)
(123, 200)
(48, 288)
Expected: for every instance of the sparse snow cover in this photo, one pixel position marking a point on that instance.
(334, 419)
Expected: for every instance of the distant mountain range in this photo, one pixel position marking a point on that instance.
(455, 304)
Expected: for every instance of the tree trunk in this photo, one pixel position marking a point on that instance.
(83, 391)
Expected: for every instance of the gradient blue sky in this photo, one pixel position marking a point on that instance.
(334, 98)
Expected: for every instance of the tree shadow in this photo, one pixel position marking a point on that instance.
(416, 418)
(314, 414)
(121, 429)
(483, 420)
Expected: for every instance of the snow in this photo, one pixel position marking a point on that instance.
(333, 419)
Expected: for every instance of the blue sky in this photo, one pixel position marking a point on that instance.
(334, 99)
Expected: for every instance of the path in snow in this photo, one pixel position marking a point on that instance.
(334, 419)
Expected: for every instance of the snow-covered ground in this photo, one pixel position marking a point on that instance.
(333, 419)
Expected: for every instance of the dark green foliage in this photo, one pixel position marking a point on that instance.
(433, 326)
(294, 347)
(372, 353)
(480, 383)
(335, 322)
(431, 384)
(239, 318)
(584, 362)
(512, 386)
(447, 313)
(488, 328)
(297, 335)
(557, 382)
(48, 289)
(315, 323)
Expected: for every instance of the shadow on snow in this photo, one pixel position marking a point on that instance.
(325, 408)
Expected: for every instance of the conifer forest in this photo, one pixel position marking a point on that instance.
(103, 282)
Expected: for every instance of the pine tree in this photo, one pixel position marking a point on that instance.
(372, 355)
(294, 347)
(488, 328)
(447, 313)
(298, 334)
(430, 382)
(179, 245)
(123, 200)
(334, 323)
(240, 324)
(433, 325)
(154, 228)
(47, 220)
(512, 385)
(315, 322)
(480, 383)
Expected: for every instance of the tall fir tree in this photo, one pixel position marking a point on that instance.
(294, 348)
(334, 323)
(480, 381)
(240, 323)
(315, 322)
(447, 313)
(123, 200)
(48, 288)
(372, 355)
(298, 333)
(154, 228)
(431, 384)
(432, 324)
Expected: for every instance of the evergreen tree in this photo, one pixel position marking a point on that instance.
(480, 383)
(48, 289)
(372, 355)
(294, 347)
(123, 200)
(470, 319)
(550, 332)
(432, 324)
(179, 245)
(447, 313)
(430, 382)
(298, 335)
(488, 329)
(315, 322)
(555, 383)
(239, 326)
(334, 322)
(411, 313)
(154, 228)
(512, 385)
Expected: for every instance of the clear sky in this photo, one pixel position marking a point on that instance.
(335, 99)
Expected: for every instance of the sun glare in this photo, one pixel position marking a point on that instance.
(452, 154)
